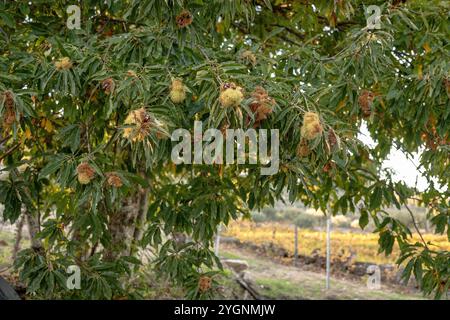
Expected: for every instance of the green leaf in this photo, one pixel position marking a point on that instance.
(364, 218)
(52, 166)
(376, 198)
(7, 19)
(418, 272)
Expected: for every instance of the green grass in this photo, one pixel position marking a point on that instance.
(229, 255)
(285, 289)
(279, 289)
(5, 251)
(276, 281)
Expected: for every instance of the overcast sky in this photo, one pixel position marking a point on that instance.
(404, 169)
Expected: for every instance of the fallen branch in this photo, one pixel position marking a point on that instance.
(248, 288)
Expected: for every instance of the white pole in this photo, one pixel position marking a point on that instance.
(327, 285)
(295, 245)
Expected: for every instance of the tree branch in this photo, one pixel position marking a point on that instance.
(11, 150)
(5, 139)
(416, 226)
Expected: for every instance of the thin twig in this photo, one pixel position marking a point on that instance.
(11, 150)
(416, 226)
(212, 65)
(5, 139)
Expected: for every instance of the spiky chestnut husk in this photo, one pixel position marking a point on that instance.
(204, 284)
(114, 180)
(248, 57)
(184, 19)
(311, 127)
(108, 86)
(178, 91)
(329, 167)
(85, 173)
(261, 105)
(9, 117)
(231, 95)
(365, 101)
(177, 84)
(141, 122)
(45, 47)
(131, 73)
(303, 149)
(177, 96)
(63, 63)
(333, 140)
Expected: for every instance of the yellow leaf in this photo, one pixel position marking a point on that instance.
(27, 133)
(427, 48)
(333, 19)
(47, 125)
(341, 104)
(220, 27)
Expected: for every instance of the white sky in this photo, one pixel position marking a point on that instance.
(404, 169)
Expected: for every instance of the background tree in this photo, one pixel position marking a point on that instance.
(86, 116)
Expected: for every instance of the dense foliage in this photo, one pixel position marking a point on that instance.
(87, 115)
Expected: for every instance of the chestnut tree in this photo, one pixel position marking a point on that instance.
(87, 112)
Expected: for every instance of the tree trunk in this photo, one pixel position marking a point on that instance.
(121, 227)
(16, 247)
(140, 220)
(34, 228)
(82, 247)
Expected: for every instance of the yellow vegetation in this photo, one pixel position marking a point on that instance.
(365, 245)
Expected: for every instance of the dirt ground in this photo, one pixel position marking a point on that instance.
(279, 281)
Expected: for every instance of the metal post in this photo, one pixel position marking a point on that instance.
(295, 245)
(327, 285)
